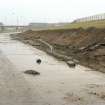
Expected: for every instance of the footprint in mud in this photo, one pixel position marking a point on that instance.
(73, 98)
(97, 90)
(93, 85)
(98, 94)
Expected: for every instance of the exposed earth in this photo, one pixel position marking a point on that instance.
(57, 84)
(85, 45)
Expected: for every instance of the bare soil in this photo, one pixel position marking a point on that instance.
(85, 45)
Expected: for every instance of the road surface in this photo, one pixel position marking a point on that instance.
(57, 84)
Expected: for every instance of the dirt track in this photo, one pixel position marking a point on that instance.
(57, 84)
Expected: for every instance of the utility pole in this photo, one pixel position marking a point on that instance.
(17, 20)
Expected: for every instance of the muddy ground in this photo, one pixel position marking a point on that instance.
(57, 84)
(85, 45)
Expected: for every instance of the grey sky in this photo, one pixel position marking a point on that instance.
(26, 11)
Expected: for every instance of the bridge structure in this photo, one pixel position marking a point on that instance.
(12, 28)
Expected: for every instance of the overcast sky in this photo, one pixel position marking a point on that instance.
(26, 11)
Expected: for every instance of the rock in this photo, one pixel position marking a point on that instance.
(71, 63)
(38, 61)
(31, 72)
(76, 61)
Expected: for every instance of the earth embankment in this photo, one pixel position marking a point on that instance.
(85, 45)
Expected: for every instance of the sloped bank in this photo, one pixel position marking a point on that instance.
(85, 45)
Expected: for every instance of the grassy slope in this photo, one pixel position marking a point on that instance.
(97, 24)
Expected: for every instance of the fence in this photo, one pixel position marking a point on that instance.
(91, 18)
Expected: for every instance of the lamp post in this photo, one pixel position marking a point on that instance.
(17, 21)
